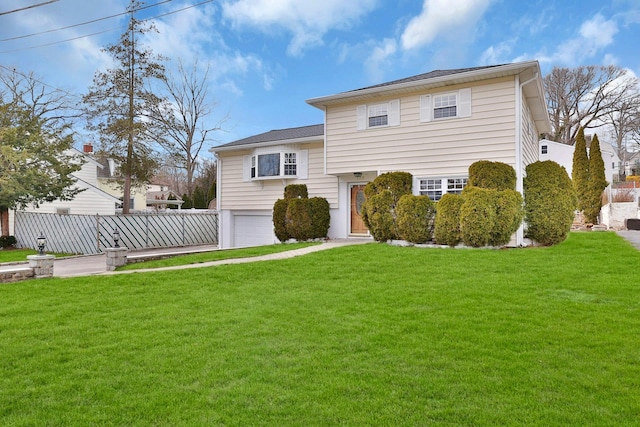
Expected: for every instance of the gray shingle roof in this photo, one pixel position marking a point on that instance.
(425, 76)
(279, 135)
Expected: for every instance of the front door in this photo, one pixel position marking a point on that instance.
(357, 200)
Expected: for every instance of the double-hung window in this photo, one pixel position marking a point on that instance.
(439, 106)
(378, 115)
(435, 188)
(279, 164)
(383, 114)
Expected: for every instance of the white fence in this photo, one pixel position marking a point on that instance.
(91, 234)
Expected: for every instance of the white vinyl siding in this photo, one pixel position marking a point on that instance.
(238, 194)
(445, 147)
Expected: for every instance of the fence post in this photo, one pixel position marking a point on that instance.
(98, 233)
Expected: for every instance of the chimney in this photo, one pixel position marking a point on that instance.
(87, 148)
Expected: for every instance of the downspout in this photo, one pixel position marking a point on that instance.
(325, 139)
(218, 193)
(519, 166)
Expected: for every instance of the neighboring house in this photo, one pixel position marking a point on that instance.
(110, 181)
(91, 201)
(160, 196)
(433, 125)
(563, 155)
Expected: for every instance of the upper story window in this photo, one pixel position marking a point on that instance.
(445, 105)
(434, 188)
(280, 164)
(378, 115)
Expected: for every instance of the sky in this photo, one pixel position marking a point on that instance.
(266, 57)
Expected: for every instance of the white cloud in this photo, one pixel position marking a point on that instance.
(442, 17)
(594, 35)
(307, 21)
(498, 54)
(376, 63)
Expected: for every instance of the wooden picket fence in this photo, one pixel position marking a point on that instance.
(91, 234)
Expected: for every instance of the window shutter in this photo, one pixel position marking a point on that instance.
(416, 186)
(425, 108)
(246, 168)
(361, 112)
(464, 95)
(303, 164)
(394, 112)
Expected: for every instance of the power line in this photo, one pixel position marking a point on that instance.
(28, 7)
(106, 31)
(83, 23)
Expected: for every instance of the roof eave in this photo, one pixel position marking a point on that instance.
(464, 77)
(250, 146)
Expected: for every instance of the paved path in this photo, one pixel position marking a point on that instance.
(633, 236)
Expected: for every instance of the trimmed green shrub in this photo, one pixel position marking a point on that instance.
(550, 201)
(7, 241)
(379, 209)
(378, 214)
(477, 216)
(597, 183)
(320, 217)
(298, 219)
(296, 191)
(509, 214)
(280, 219)
(414, 217)
(492, 175)
(580, 170)
(447, 223)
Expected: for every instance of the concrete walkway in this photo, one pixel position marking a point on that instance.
(633, 236)
(96, 264)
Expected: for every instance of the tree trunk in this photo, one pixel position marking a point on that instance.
(4, 220)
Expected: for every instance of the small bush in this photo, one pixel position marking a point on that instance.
(447, 223)
(320, 217)
(296, 191)
(298, 219)
(280, 219)
(509, 214)
(414, 217)
(378, 215)
(477, 216)
(7, 241)
(550, 202)
(492, 175)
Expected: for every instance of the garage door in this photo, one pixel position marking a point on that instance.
(252, 230)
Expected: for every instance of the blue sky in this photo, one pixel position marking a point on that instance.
(268, 56)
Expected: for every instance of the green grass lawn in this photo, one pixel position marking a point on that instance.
(359, 335)
(216, 256)
(15, 255)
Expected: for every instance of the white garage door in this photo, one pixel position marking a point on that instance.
(252, 230)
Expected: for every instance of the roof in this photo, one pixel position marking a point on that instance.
(290, 135)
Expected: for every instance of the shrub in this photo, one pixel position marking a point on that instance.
(280, 219)
(7, 241)
(296, 191)
(509, 214)
(379, 210)
(597, 182)
(447, 223)
(298, 219)
(550, 202)
(492, 175)
(378, 215)
(414, 218)
(580, 169)
(320, 217)
(477, 216)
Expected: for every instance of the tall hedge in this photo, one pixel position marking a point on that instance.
(550, 202)
(298, 217)
(493, 175)
(280, 219)
(580, 170)
(477, 216)
(321, 217)
(299, 221)
(382, 196)
(414, 217)
(509, 214)
(447, 222)
(596, 184)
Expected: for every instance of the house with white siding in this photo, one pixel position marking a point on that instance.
(563, 155)
(432, 125)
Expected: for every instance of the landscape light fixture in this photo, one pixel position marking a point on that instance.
(116, 238)
(41, 241)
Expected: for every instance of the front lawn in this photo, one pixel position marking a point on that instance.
(358, 335)
(15, 255)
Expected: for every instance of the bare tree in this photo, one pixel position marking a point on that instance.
(625, 125)
(183, 118)
(583, 96)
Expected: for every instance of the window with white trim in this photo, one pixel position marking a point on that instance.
(543, 149)
(378, 115)
(440, 106)
(435, 188)
(279, 164)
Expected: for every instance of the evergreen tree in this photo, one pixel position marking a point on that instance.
(597, 182)
(580, 171)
